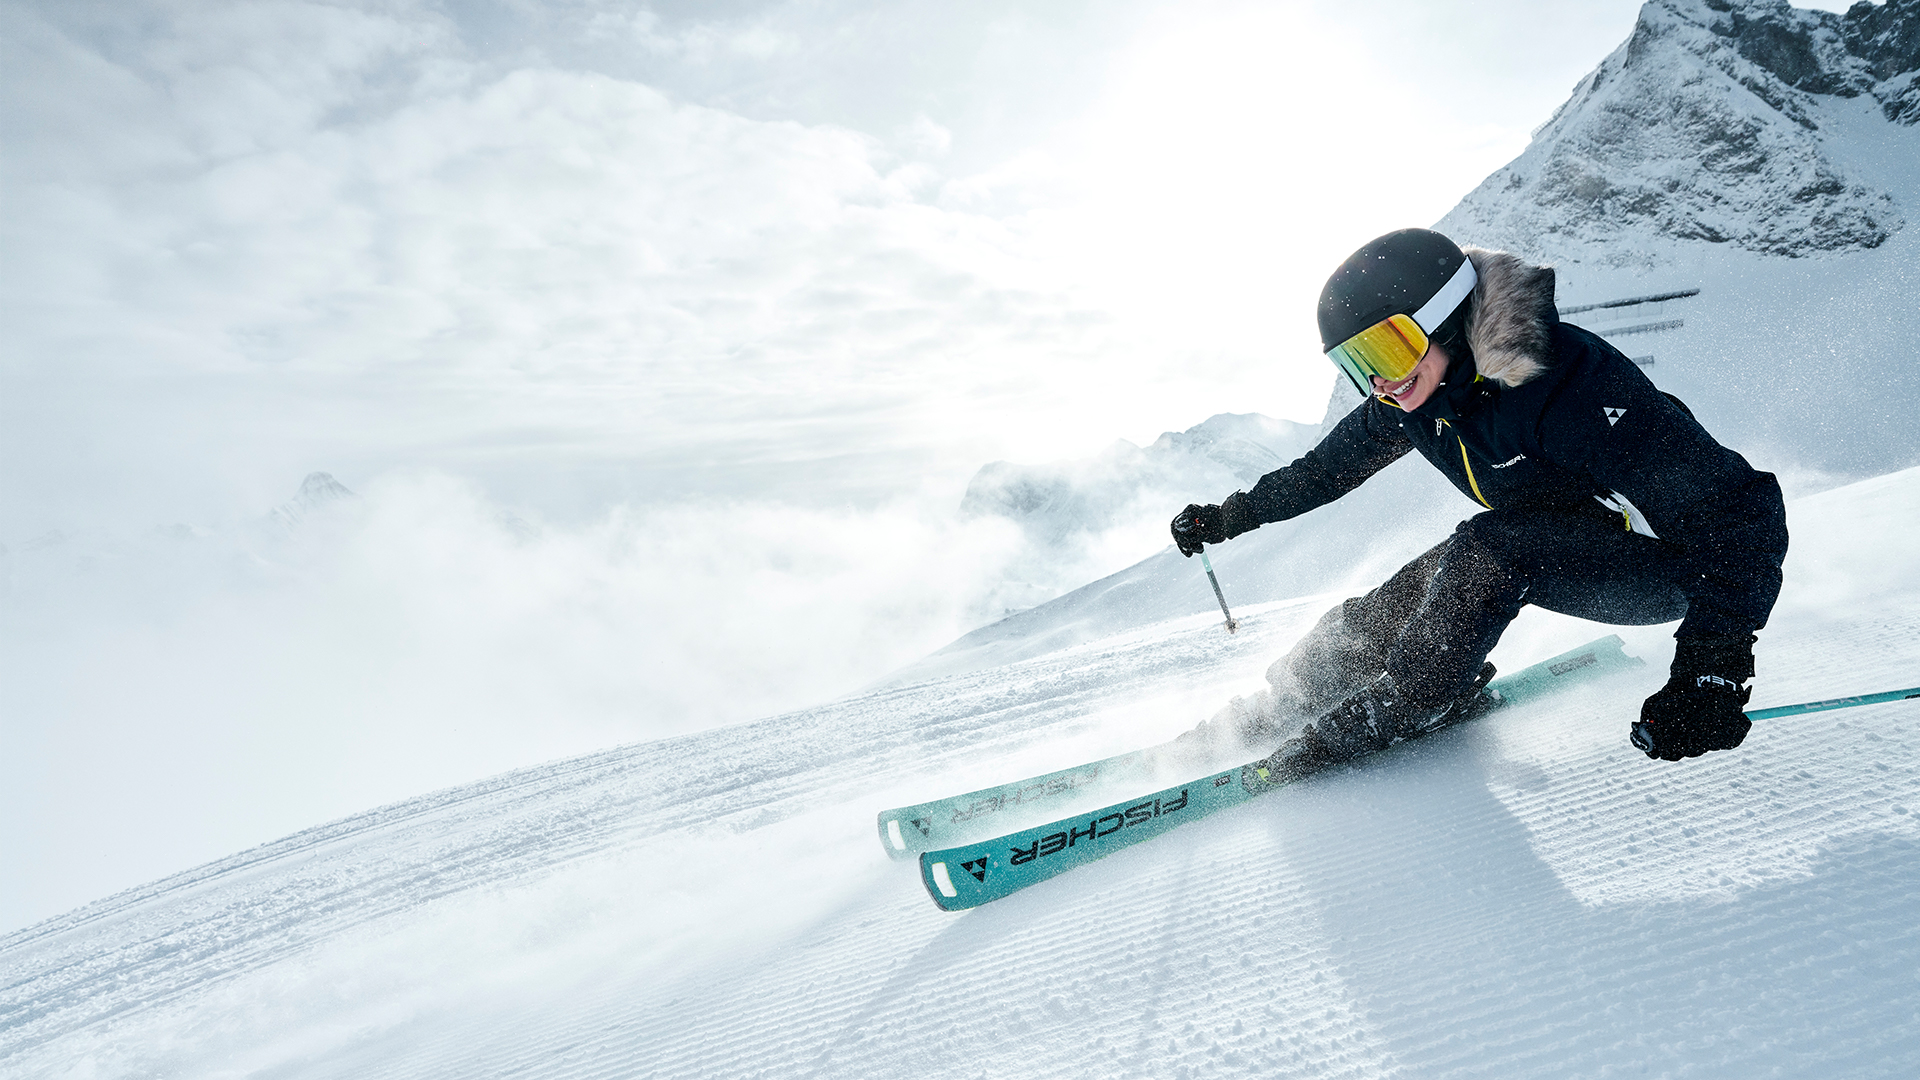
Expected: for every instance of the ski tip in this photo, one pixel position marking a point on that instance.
(938, 879)
(894, 840)
(942, 881)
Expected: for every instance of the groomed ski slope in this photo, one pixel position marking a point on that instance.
(1524, 896)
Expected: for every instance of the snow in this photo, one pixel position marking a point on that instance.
(1522, 896)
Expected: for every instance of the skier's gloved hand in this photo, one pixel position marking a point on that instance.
(1684, 721)
(1197, 525)
(1700, 708)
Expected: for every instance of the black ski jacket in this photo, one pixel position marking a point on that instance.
(1549, 416)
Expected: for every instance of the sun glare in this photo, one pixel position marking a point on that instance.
(1232, 162)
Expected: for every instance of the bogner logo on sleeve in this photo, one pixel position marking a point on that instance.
(1098, 828)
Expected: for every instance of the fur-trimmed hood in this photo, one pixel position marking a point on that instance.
(1511, 325)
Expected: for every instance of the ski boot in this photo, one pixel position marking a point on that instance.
(1475, 701)
(1372, 719)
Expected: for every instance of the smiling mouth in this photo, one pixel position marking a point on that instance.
(1400, 392)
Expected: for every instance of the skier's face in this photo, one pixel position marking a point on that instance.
(1413, 391)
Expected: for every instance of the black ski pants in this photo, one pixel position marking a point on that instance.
(1432, 624)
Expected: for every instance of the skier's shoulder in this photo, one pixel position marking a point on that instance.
(1604, 413)
(1591, 378)
(1579, 350)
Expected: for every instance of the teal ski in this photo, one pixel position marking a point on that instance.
(909, 830)
(967, 876)
(906, 831)
(962, 876)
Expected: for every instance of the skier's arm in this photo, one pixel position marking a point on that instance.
(1366, 440)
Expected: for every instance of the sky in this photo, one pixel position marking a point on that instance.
(657, 343)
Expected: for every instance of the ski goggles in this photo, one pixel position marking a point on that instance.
(1391, 348)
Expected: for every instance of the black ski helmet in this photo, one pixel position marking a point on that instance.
(1414, 272)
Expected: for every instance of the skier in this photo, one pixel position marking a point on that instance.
(1604, 499)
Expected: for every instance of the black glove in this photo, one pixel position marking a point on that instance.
(1198, 525)
(1700, 708)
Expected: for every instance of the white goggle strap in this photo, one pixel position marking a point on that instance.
(1435, 311)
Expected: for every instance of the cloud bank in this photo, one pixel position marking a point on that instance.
(182, 694)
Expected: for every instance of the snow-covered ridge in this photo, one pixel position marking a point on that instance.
(1706, 125)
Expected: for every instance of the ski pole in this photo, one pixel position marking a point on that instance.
(1217, 594)
(1834, 703)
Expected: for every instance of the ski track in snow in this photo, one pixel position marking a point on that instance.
(1524, 896)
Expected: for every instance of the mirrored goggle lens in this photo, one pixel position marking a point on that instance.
(1389, 348)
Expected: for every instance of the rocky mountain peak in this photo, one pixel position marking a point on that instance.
(317, 492)
(1864, 51)
(320, 488)
(1706, 125)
